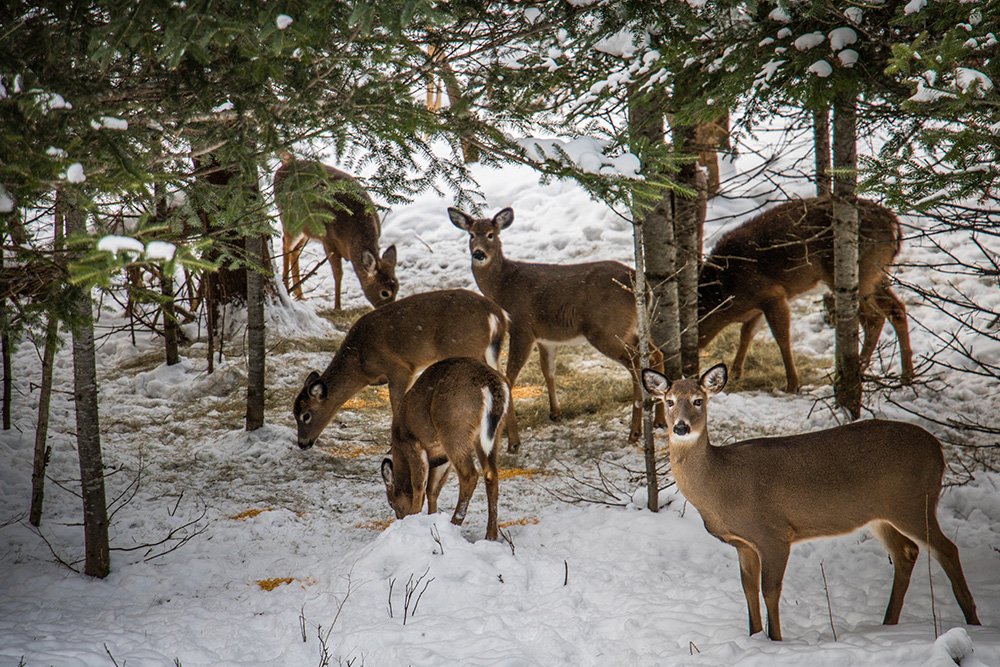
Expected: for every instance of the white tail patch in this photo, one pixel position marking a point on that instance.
(485, 438)
(491, 350)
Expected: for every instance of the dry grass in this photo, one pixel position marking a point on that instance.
(274, 582)
(250, 513)
(763, 369)
(353, 452)
(523, 521)
(528, 473)
(377, 525)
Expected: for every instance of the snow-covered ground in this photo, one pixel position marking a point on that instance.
(290, 561)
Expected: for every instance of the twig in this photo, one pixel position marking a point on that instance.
(692, 649)
(829, 607)
(392, 582)
(565, 573)
(437, 538)
(930, 579)
(113, 661)
(505, 534)
(56, 556)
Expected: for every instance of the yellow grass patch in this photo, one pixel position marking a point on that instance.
(508, 473)
(354, 451)
(250, 513)
(375, 524)
(527, 391)
(271, 584)
(523, 521)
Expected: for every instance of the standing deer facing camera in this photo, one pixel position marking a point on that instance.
(394, 344)
(755, 269)
(317, 201)
(449, 418)
(763, 495)
(557, 304)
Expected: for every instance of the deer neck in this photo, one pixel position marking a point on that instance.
(492, 276)
(695, 469)
(344, 378)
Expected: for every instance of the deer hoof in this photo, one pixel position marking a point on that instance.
(634, 436)
(555, 416)
(512, 446)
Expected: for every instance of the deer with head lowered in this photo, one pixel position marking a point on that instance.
(763, 495)
(449, 418)
(556, 304)
(394, 344)
(756, 268)
(317, 201)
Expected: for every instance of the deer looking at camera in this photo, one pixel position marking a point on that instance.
(755, 269)
(317, 201)
(449, 418)
(557, 304)
(394, 344)
(763, 495)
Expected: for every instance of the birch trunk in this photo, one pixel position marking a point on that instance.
(97, 561)
(821, 144)
(847, 375)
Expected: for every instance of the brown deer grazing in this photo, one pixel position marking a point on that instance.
(763, 495)
(555, 304)
(756, 268)
(311, 197)
(450, 417)
(394, 344)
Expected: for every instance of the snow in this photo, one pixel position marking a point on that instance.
(74, 173)
(50, 101)
(914, 6)
(622, 44)
(6, 200)
(854, 14)
(779, 15)
(52, 151)
(582, 585)
(809, 40)
(841, 37)
(109, 123)
(282, 21)
(970, 80)
(848, 57)
(585, 153)
(160, 251)
(532, 14)
(116, 244)
(821, 68)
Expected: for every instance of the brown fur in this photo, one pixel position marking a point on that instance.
(763, 495)
(550, 304)
(351, 232)
(393, 344)
(755, 269)
(439, 422)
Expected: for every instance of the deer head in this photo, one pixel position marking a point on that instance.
(484, 233)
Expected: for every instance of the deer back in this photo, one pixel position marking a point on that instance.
(785, 251)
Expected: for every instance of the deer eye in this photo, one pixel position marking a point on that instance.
(386, 294)
(306, 417)
(489, 237)
(697, 402)
(670, 403)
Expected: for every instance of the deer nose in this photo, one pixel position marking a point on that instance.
(478, 255)
(681, 428)
(305, 444)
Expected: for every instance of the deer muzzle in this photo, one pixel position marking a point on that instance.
(682, 428)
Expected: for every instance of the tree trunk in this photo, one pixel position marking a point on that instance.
(255, 248)
(8, 381)
(88, 434)
(642, 326)
(42, 450)
(657, 228)
(821, 142)
(688, 228)
(170, 327)
(847, 375)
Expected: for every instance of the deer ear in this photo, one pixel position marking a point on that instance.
(655, 383)
(714, 379)
(389, 257)
(317, 388)
(387, 473)
(368, 263)
(461, 220)
(503, 219)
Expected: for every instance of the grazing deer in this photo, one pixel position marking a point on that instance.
(756, 268)
(394, 344)
(557, 304)
(763, 495)
(450, 417)
(320, 202)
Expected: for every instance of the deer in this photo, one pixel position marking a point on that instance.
(449, 418)
(755, 269)
(319, 202)
(393, 344)
(763, 495)
(557, 304)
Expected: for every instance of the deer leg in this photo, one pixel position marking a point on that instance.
(872, 319)
(467, 480)
(779, 318)
(946, 553)
(903, 552)
(491, 476)
(750, 578)
(517, 354)
(773, 559)
(435, 482)
(337, 268)
(747, 333)
(895, 310)
(547, 360)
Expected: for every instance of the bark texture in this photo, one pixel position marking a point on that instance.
(821, 145)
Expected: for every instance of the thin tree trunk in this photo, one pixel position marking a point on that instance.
(42, 450)
(642, 326)
(255, 247)
(847, 376)
(170, 326)
(821, 142)
(8, 380)
(688, 224)
(97, 561)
